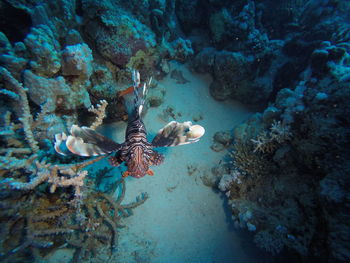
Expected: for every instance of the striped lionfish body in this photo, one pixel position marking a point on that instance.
(136, 151)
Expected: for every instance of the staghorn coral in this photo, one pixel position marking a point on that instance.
(264, 143)
(40, 222)
(26, 117)
(28, 158)
(18, 93)
(100, 111)
(30, 221)
(54, 100)
(99, 219)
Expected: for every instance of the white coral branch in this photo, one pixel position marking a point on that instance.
(26, 118)
(267, 142)
(100, 111)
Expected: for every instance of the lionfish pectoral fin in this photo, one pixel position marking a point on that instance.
(156, 158)
(150, 172)
(84, 141)
(60, 144)
(176, 133)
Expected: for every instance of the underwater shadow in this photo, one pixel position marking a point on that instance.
(226, 207)
(246, 238)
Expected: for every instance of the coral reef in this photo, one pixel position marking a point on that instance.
(35, 222)
(39, 223)
(77, 66)
(287, 177)
(286, 174)
(240, 75)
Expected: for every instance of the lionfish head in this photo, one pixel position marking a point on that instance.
(137, 165)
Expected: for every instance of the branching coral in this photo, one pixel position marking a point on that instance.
(30, 225)
(249, 162)
(267, 142)
(100, 111)
(39, 221)
(99, 222)
(26, 117)
(34, 128)
(28, 158)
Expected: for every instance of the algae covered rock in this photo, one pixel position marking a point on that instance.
(44, 50)
(77, 61)
(117, 33)
(155, 97)
(232, 77)
(220, 23)
(204, 60)
(190, 14)
(222, 140)
(55, 91)
(103, 82)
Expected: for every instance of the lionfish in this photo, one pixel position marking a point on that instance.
(136, 151)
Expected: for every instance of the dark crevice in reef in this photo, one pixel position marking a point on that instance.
(79, 8)
(288, 74)
(286, 77)
(14, 23)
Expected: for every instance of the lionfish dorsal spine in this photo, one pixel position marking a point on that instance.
(139, 92)
(136, 78)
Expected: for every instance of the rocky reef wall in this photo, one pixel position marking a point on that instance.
(286, 177)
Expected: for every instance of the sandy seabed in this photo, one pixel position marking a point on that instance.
(183, 220)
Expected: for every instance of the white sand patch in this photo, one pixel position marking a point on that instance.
(183, 220)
